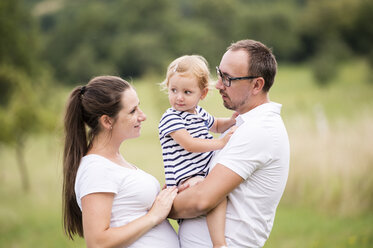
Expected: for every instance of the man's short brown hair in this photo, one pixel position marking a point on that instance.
(261, 62)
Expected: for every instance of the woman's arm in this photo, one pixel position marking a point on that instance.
(222, 124)
(183, 138)
(96, 212)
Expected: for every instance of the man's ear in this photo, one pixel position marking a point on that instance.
(258, 85)
(106, 122)
(204, 93)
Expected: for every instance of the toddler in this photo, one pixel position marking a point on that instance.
(187, 145)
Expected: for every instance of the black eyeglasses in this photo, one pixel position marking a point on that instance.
(227, 80)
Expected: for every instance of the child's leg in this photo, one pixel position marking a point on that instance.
(216, 224)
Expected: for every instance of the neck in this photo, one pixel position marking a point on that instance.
(259, 100)
(109, 149)
(104, 145)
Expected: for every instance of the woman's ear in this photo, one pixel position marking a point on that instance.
(204, 93)
(106, 122)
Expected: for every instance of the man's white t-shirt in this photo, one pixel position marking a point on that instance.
(258, 151)
(134, 193)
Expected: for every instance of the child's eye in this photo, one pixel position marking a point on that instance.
(188, 92)
(173, 90)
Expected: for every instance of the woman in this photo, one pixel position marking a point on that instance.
(106, 199)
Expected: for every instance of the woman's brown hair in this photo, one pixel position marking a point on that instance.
(86, 104)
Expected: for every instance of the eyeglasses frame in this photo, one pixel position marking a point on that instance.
(230, 79)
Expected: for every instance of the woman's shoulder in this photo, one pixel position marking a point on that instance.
(101, 169)
(96, 164)
(95, 174)
(92, 160)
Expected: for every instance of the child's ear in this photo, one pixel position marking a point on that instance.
(204, 93)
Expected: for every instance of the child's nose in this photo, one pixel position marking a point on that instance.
(179, 97)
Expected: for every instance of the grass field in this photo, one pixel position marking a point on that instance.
(328, 201)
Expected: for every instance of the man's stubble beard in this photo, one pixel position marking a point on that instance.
(231, 106)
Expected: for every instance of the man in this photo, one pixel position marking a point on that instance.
(252, 169)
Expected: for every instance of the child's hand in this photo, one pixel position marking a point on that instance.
(194, 180)
(190, 182)
(232, 120)
(183, 187)
(234, 116)
(228, 135)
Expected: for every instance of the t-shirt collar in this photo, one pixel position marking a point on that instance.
(266, 107)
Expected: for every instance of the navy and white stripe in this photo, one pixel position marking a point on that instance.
(180, 164)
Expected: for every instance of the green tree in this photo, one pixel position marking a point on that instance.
(23, 114)
(22, 83)
(126, 38)
(132, 38)
(274, 23)
(17, 36)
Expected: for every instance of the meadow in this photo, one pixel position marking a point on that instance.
(328, 201)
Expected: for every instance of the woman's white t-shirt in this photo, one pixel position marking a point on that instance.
(134, 193)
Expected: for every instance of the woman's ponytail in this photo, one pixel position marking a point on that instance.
(75, 148)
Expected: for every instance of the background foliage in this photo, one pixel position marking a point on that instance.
(133, 38)
(325, 55)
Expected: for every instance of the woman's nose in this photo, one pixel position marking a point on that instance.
(142, 116)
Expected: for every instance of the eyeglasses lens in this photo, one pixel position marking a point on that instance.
(224, 79)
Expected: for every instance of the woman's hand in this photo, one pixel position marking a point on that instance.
(162, 204)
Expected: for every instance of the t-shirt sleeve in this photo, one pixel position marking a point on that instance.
(209, 118)
(96, 177)
(169, 123)
(245, 152)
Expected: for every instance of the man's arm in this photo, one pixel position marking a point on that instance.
(206, 195)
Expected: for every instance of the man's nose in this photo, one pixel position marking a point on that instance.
(219, 84)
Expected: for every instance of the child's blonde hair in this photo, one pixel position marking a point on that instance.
(189, 65)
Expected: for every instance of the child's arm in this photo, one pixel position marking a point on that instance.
(222, 124)
(183, 138)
